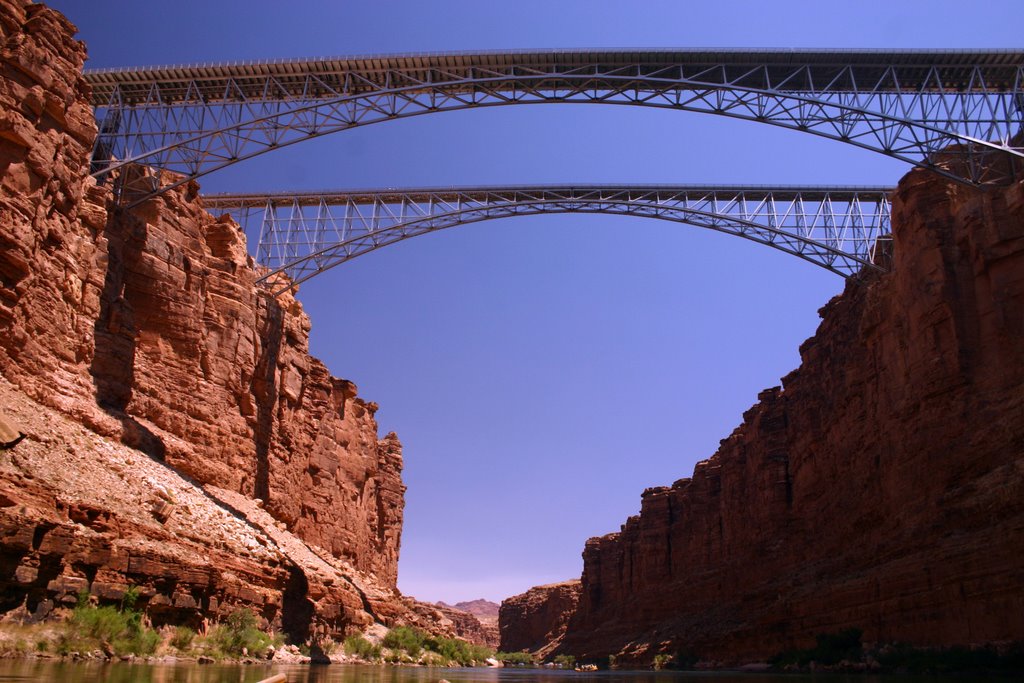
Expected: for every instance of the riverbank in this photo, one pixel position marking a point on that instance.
(120, 632)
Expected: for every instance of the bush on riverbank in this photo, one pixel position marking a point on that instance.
(114, 630)
(564, 661)
(119, 630)
(515, 658)
(239, 636)
(405, 639)
(358, 646)
(407, 645)
(94, 631)
(182, 638)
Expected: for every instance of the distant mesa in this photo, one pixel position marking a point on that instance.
(484, 610)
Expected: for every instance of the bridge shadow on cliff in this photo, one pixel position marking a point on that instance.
(264, 389)
(114, 333)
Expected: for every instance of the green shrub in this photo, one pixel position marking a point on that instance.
(142, 642)
(100, 623)
(457, 650)
(121, 630)
(661, 661)
(182, 638)
(565, 661)
(523, 658)
(239, 635)
(130, 598)
(360, 647)
(408, 644)
(405, 639)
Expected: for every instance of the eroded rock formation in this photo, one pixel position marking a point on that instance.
(882, 487)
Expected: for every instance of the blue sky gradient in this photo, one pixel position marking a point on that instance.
(542, 371)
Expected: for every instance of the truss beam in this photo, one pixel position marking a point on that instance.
(959, 113)
(845, 230)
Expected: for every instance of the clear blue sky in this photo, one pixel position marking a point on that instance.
(543, 371)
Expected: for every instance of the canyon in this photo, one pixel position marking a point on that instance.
(881, 487)
(181, 440)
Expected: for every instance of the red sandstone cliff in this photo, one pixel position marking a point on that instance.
(535, 621)
(881, 488)
(146, 326)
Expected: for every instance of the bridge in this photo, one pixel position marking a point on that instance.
(843, 229)
(957, 112)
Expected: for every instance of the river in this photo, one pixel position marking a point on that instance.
(81, 672)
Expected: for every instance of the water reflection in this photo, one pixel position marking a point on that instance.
(80, 672)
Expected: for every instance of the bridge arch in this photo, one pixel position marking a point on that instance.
(957, 113)
(844, 230)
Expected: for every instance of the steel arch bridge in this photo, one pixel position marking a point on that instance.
(958, 112)
(843, 229)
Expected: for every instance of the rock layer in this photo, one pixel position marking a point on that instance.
(881, 488)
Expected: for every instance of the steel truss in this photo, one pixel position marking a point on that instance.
(956, 112)
(845, 230)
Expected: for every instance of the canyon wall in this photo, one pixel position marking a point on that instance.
(535, 621)
(882, 487)
(146, 325)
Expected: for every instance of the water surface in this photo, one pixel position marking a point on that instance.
(121, 672)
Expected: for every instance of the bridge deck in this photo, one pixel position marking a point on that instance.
(388, 195)
(248, 79)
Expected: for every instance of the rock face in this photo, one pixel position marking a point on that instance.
(146, 325)
(51, 215)
(535, 621)
(214, 377)
(881, 488)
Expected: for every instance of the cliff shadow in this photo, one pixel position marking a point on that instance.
(297, 611)
(264, 388)
(114, 333)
